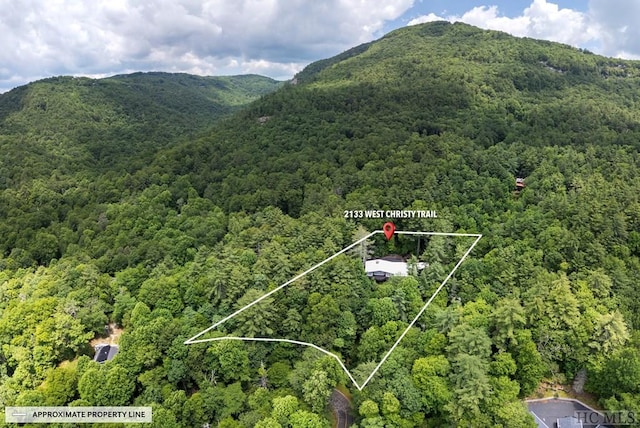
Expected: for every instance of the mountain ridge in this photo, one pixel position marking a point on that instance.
(104, 123)
(432, 80)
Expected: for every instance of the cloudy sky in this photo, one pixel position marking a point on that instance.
(276, 38)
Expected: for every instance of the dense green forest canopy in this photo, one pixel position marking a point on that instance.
(121, 202)
(82, 125)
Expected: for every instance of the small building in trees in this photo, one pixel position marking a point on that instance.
(105, 353)
(520, 184)
(388, 266)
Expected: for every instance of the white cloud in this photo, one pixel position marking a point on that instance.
(547, 21)
(49, 37)
(41, 38)
(488, 17)
(541, 20)
(431, 17)
(618, 25)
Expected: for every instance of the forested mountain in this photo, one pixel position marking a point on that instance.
(72, 124)
(194, 225)
(62, 138)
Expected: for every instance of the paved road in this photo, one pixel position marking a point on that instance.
(546, 412)
(341, 407)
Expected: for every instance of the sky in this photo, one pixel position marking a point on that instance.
(275, 38)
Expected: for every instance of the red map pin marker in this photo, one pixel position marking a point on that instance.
(388, 229)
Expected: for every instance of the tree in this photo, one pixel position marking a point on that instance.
(390, 404)
(256, 320)
(368, 409)
(530, 366)
(446, 319)
(291, 324)
(233, 400)
(471, 385)
(304, 419)
(375, 422)
(317, 389)
(260, 401)
(120, 385)
(371, 345)
(30, 398)
(195, 411)
(464, 339)
(61, 385)
(174, 402)
(429, 376)
(283, 408)
(409, 291)
(45, 247)
(515, 414)
(63, 333)
(122, 308)
(162, 418)
(403, 388)
(229, 423)
(106, 386)
(399, 299)
(611, 333)
(503, 390)
(268, 423)
(140, 315)
(600, 283)
(321, 324)
(619, 374)
(279, 374)
(231, 360)
(382, 311)
(436, 250)
(627, 404)
(347, 329)
(162, 292)
(264, 376)
(507, 317)
(503, 364)
(364, 250)
(559, 332)
(91, 387)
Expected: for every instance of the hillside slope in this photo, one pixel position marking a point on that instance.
(70, 124)
(439, 81)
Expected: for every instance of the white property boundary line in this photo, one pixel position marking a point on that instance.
(195, 339)
(295, 342)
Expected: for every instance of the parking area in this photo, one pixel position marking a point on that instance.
(547, 411)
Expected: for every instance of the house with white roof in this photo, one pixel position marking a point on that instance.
(386, 267)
